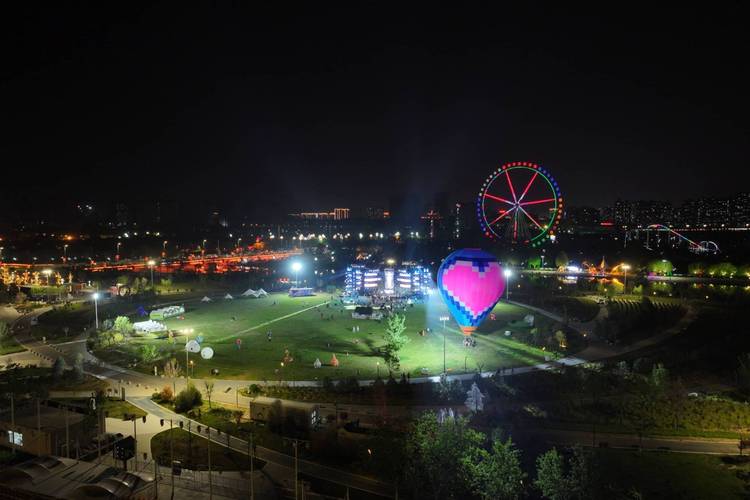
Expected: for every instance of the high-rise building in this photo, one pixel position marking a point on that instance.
(340, 213)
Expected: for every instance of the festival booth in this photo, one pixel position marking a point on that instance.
(166, 312)
(149, 326)
(255, 293)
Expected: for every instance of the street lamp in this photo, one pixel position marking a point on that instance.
(507, 273)
(1, 253)
(444, 319)
(65, 253)
(96, 309)
(625, 268)
(164, 248)
(151, 264)
(296, 267)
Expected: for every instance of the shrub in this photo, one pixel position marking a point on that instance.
(188, 399)
(166, 395)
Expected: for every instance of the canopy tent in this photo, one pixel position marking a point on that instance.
(206, 299)
(254, 293)
(149, 326)
(228, 296)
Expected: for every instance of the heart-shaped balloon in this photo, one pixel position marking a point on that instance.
(471, 282)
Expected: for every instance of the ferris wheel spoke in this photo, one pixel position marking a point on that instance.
(531, 181)
(510, 184)
(502, 214)
(515, 225)
(527, 214)
(537, 202)
(497, 198)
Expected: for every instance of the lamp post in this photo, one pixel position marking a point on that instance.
(507, 273)
(151, 264)
(296, 267)
(65, 253)
(96, 310)
(117, 250)
(164, 248)
(444, 319)
(625, 268)
(1, 253)
(203, 247)
(187, 361)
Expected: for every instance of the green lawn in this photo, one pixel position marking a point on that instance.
(671, 475)
(9, 345)
(307, 326)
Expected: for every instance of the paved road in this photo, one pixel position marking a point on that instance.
(629, 441)
(305, 467)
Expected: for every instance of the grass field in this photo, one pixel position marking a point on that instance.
(9, 345)
(318, 327)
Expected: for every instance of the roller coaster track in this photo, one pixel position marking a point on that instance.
(696, 247)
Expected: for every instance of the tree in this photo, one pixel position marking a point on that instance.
(438, 457)
(395, 339)
(474, 398)
(172, 368)
(561, 259)
(209, 389)
(237, 416)
(534, 262)
(660, 266)
(696, 268)
(166, 394)
(149, 352)
(58, 368)
(4, 330)
(187, 399)
(496, 474)
(449, 390)
(78, 366)
(561, 479)
(123, 324)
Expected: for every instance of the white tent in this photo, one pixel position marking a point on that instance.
(254, 293)
(228, 296)
(206, 299)
(149, 326)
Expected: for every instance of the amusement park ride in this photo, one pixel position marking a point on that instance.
(520, 202)
(672, 236)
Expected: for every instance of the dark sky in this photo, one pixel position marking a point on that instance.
(315, 107)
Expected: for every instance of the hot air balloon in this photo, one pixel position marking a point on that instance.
(471, 282)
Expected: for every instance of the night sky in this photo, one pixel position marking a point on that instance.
(315, 107)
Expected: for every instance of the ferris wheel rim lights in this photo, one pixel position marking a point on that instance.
(555, 198)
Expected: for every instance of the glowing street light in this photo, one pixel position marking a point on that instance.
(95, 296)
(296, 267)
(151, 264)
(47, 273)
(508, 274)
(625, 268)
(65, 252)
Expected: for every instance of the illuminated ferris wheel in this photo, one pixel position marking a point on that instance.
(520, 202)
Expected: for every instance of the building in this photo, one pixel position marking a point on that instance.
(51, 477)
(340, 213)
(410, 279)
(46, 430)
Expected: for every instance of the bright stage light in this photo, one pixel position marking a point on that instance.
(296, 266)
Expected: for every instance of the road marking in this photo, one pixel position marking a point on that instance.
(266, 323)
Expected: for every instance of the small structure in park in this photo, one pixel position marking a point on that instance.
(287, 357)
(317, 363)
(228, 296)
(206, 298)
(166, 312)
(334, 361)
